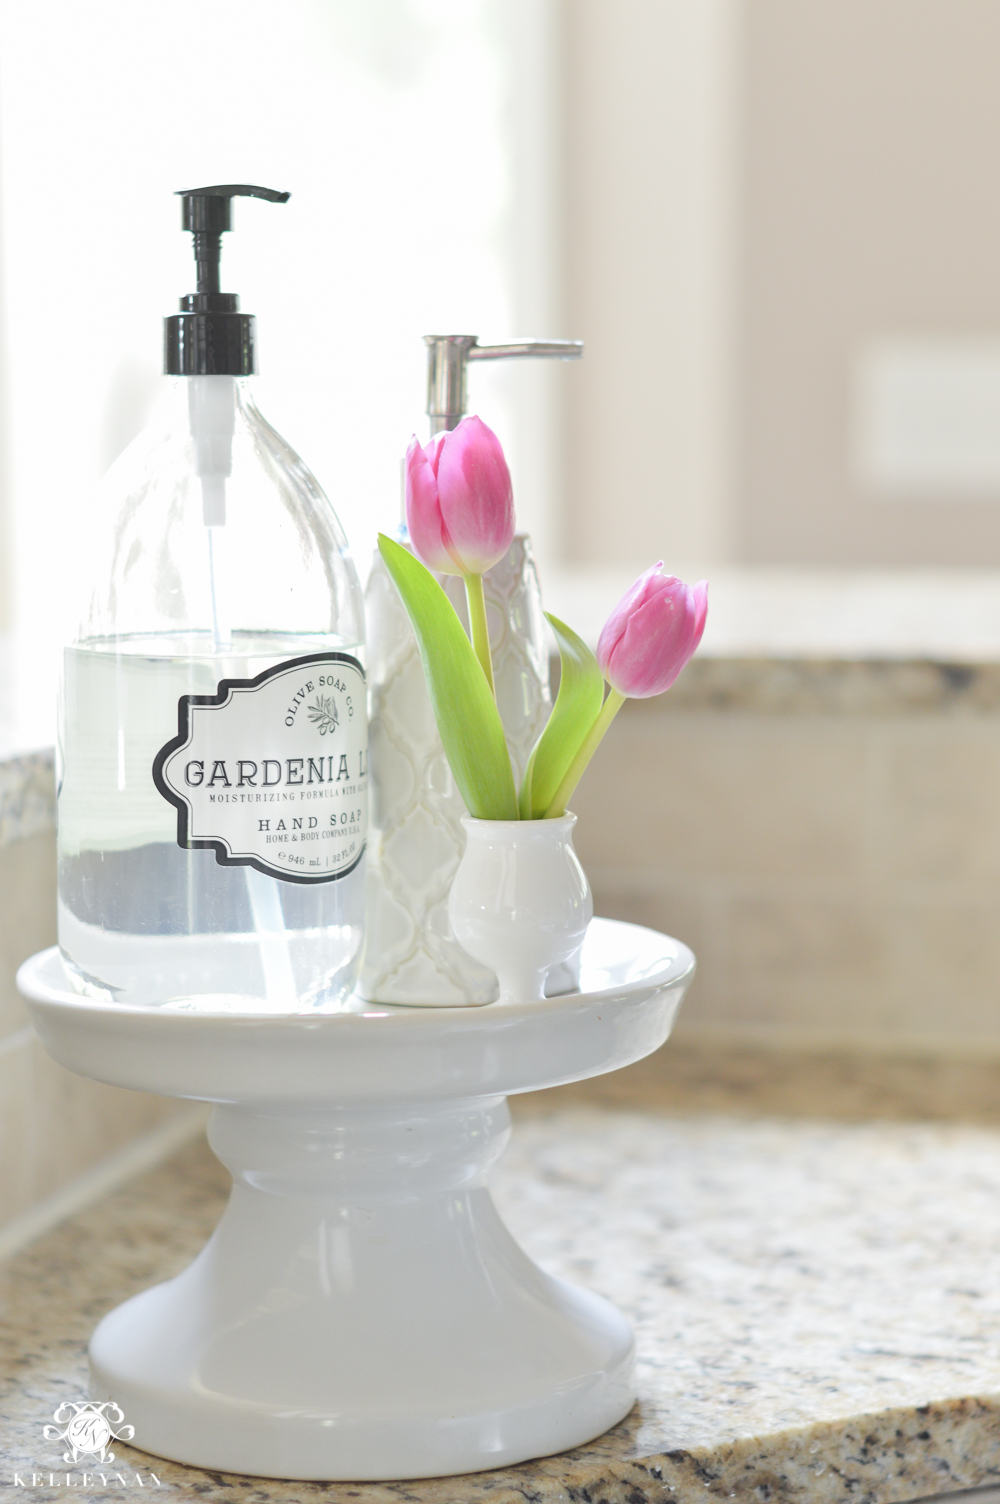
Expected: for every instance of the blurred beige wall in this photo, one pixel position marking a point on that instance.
(871, 209)
(648, 92)
(758, 193)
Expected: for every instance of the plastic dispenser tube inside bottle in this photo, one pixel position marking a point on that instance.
(417, 839)
(212, 414)
(212, 808)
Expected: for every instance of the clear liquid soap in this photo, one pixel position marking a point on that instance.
(212, 745)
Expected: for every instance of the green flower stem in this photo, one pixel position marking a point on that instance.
(588, 747)
(477, 621)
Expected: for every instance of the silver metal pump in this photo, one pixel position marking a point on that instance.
(448, 357)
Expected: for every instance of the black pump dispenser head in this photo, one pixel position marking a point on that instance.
(210, 337)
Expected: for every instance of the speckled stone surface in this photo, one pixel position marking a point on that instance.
(820, 641)
(817, 1306)
(786, 611)
(27, 795)
(845, 643)
(831, 686)
(713, 1075)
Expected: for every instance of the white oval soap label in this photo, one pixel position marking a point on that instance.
(272, 772)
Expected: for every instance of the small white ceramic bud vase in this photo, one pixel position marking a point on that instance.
(520, 902)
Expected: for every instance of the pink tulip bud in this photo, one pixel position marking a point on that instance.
(459, 500)
(651, 633)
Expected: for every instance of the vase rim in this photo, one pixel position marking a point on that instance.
(555, 823)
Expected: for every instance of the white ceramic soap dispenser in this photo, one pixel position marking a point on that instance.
(213, 730)
(417, 840)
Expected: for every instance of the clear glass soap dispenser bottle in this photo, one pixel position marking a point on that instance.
(212, 746)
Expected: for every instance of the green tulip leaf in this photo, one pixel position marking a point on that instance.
(466, 713)
(578, 703)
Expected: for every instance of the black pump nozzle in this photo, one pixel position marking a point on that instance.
(206, 213)
(210, 337)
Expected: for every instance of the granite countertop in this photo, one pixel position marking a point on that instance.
(27, 795)
(816, 1305)
(828, 641)
(800, 612)
(778, 640)
(806, 622)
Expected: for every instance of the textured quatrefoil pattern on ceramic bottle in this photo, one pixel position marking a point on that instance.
(416, 838)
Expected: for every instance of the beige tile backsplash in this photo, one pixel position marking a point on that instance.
(27, 915)
(784, 802)
(54, 1125)
(837, 875)
(17, 1169)
(939, 803)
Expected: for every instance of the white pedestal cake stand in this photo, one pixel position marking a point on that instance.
(361, 1312)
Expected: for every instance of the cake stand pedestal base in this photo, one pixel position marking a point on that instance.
(361, 1311)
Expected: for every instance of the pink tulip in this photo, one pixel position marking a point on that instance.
(459, 500)
(651, 633)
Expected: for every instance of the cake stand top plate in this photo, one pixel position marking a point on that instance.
(632, 982)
